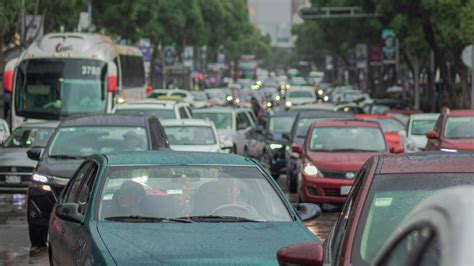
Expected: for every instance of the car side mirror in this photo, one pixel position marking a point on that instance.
(296, 148)
(34, 153)
(397, 149)
(69, 212)
(431, 134)
(286, 136)
(308, 253)
(308, 211)
(259, 130)
(402, 133)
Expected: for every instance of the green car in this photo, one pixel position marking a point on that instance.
(167, 207)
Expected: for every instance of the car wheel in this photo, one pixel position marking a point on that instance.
(37, 236)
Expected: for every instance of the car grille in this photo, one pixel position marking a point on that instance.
(336, 174)
(25, 173)
(332, 192)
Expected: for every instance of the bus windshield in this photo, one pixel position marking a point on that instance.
(54, 87)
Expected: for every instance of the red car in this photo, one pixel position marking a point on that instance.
(390, 126)
(453, 131)
(386, 189)
(333, 153)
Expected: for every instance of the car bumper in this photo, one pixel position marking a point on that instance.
(325, 190)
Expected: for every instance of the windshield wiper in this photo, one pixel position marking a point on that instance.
(220, 218)
(146, 219)
(65, 156)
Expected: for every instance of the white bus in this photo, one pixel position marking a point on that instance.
(64, 74)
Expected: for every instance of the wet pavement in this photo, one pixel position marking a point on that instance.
(15, 246)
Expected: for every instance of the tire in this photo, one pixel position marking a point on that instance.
(37, 236)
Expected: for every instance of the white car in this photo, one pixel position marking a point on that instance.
(186, 95)
(231, 123)
(162, 109)
(298, 95)
(200, 99)
(192, 135)
(418, 125)
(4, 130)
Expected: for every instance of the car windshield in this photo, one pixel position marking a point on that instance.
(160, 113)
(199, 96)
(87, 140)
(221, 121)
(387, 124)
(459, 127)
(49, 88)
(198, 193)
(390, 199)
(421, 126)
(24, 137)
(334, 139)
(304, 123)
(280, 124)
(300, 94)
(190, 135)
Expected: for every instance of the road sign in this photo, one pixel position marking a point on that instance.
(468, 59)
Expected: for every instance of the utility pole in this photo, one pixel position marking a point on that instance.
(89, 12)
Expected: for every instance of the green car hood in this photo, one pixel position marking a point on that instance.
(200, 243)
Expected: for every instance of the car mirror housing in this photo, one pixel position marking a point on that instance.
(397, 149)
(259, 130)
(308, 253)
(296, 148)
(431, 134)
(69, 212)
(286, 136)
(34, 153)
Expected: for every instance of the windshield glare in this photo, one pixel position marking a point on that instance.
(190, 135)
(459, 127)
(333, 139)
(85, 141)
(24, 137)
(390, 199)
(159, 113)
(420, 127)
(60, 87)
(280, 124)
(221, 121)
(183, 191)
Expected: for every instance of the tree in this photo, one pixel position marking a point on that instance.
(9, 12)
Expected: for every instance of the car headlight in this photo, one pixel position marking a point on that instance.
(277, 97)
(309, 169)
(320, 92)
(269, 104)
(326, 98)
(274, 146)
(229, 98)
(288, 104)
(40, 178)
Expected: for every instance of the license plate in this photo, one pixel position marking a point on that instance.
(13, 179)
(345, 190)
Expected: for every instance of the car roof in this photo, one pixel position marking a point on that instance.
(346, 123)
(427, 162)
(217, 110)
(424, 116)
(169, 157)
(461, 112)
(364, 116)
(105, 120)
(325, 113)
(186, 122)
(285, 113)
(47, 124)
